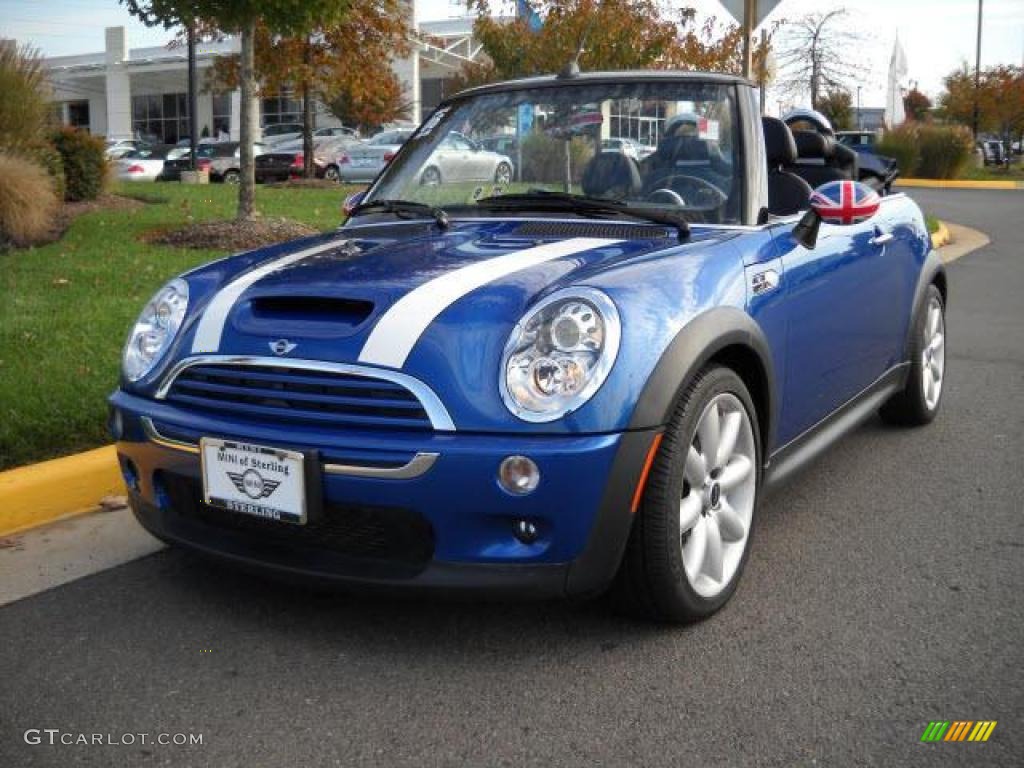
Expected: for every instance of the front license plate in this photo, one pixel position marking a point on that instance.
(254, 480)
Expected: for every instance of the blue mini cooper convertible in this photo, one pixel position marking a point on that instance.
(580, 376)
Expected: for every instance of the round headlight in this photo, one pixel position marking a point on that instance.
(559, 354)
(155, 329)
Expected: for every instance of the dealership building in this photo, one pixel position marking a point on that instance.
(122, 92)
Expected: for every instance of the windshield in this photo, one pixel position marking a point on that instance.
(582, 139)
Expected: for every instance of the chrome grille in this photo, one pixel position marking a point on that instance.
(338, 395)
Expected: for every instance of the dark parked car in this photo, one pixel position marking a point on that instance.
(281, 166)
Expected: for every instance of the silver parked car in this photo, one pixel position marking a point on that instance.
(362, 162)
(458, 158)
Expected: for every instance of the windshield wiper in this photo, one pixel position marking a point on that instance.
(404, 209)
(543, 200)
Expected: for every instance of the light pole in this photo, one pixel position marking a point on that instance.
(977, 72)
(860, 125)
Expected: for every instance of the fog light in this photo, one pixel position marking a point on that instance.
(518, 475)
(525, 531)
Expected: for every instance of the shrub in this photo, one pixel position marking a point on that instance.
(46, 155)
(544, 158)
(85, 164)
(946, 151)
(28, 204)
(25, 108)
(901, 144)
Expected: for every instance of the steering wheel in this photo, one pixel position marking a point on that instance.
(705, 194)
(673, 197)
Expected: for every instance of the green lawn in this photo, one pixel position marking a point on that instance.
(65, 308)
(990, 173)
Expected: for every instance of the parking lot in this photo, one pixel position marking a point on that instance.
(884, 591)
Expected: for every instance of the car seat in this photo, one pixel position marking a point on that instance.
(815, 159)
(787, 192)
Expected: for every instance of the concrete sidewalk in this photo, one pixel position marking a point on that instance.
(50, 555)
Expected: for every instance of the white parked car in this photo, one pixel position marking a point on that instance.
(118, 148)
(458, 158)
(143, 164)
(627, 147)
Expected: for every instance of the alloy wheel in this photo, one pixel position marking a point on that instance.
(933, 354)
(719, 490)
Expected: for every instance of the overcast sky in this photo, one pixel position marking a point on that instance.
(937, 34)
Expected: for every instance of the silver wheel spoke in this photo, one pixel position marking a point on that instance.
(709, 431)
(727, 441)
(696, 468)
(689, 511)
(713, 550)
(936, 344)
(933, 321)
(729, 523)
(735, 472)
(694, 549)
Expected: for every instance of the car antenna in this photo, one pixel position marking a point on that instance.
(572, 67)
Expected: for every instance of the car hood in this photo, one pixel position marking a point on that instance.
(436, 305)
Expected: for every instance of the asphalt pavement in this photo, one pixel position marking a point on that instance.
(885, 590)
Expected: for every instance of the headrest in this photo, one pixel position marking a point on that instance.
(611, 173)
(844, 156)
(683, 150)
(778, 142)
(812, 145)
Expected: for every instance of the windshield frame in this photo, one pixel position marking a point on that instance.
(749, 142)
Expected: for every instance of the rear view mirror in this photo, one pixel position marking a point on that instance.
(844, 203)
(840, 203)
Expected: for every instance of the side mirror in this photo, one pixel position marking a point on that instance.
(351, 202)
(840, 203)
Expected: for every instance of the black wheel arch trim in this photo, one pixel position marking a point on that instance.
(701, 340)
(932, 271)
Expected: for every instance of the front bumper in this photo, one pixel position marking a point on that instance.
(449, 528)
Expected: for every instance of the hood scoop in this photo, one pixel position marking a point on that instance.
(301, 315)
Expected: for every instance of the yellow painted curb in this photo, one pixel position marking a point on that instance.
(941, 237)
(41, 493)
(959, 184)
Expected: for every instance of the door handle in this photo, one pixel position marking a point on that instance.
(881, 238)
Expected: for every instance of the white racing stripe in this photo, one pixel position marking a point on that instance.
(211, 324)
(398, 329)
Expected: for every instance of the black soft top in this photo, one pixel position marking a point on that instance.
(613, 78)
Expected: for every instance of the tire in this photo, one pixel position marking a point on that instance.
(331, 173)
(665, 574)
(430, 177)
(503, 174)
(920, 399)
(231, 177)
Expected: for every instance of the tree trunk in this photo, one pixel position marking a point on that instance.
(247, 185)
(307, 116)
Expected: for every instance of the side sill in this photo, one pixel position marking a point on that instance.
(805, 448)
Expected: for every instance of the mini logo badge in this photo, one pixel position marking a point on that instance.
(253, 484)
(281, 347)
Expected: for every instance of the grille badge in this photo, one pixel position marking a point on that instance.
(281, 347)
